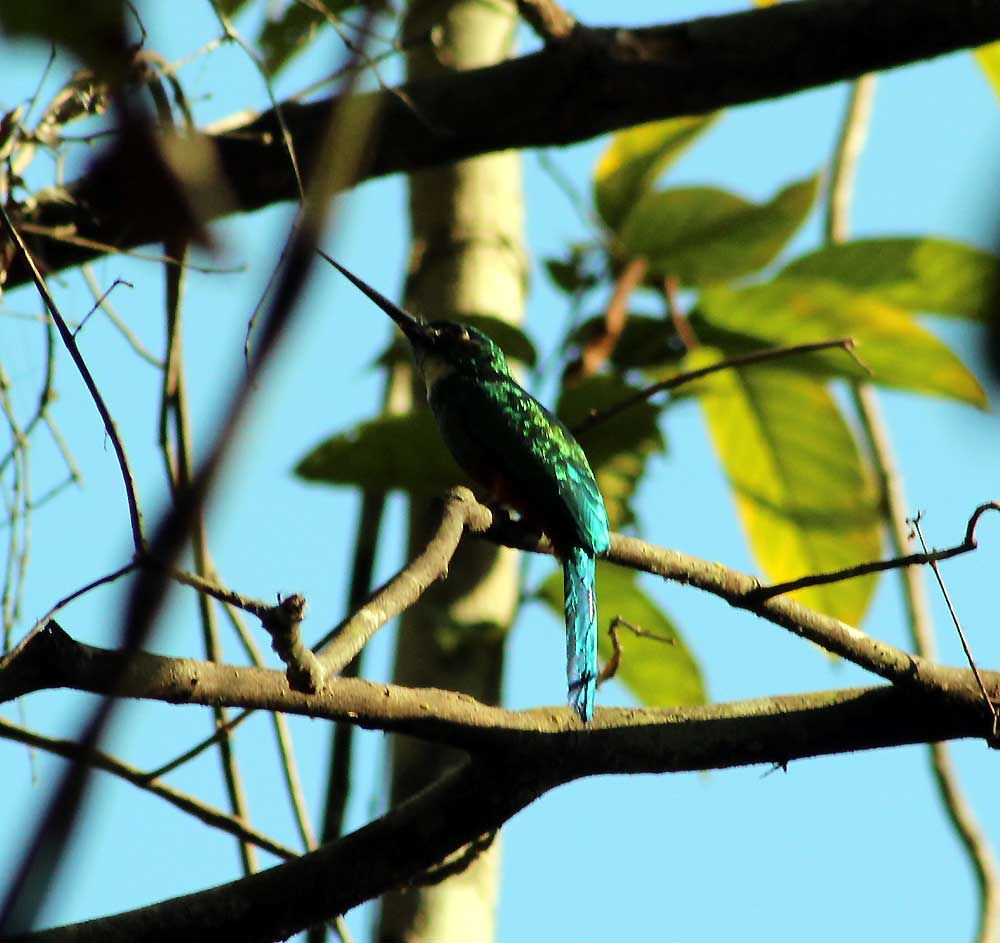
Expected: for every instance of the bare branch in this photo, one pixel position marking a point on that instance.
(548, 19)
(54, 660)
(460, 512)
(478, 797)
(612, 78)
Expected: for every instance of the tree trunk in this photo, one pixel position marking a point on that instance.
(467, 258)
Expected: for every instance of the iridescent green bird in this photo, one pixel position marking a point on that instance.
(510, 443)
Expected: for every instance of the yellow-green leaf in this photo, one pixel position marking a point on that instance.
(657, 673)
(701, 234)
(988, 57)
(804, 498)
(920, 274)
(390, 453)
(898, 350)
(630, 165)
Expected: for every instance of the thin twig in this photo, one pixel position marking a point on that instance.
(968, 544)
(178, 463)
(286, 135)
(116, 319)
(65, 601)
(99, 303)
(104, 248)
(201, 746)
(756, 357)
(915, 523)
(135, 515)
(612, 665)
(213, 817)
(850, 143)
(597, 352)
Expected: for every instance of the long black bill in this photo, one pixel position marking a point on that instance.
(413, 328)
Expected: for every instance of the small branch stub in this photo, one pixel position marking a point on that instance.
(283, 623)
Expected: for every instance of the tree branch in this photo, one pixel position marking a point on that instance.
(596, 81)
(481, 795)
(54, 660)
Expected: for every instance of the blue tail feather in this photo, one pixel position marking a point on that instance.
(579, 574)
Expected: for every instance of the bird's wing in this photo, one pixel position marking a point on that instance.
(501, 435)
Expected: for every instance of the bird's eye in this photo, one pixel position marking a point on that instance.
(463, 334)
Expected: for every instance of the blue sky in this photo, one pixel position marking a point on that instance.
(841, 846)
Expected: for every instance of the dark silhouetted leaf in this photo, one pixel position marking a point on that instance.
(402, 453)
(287, 34)
(617, 449)
(644, 342)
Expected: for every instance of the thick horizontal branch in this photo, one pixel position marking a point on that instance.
(635, 737)
(479, 797)
(594, 81)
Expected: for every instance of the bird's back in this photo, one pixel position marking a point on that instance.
(505, 439)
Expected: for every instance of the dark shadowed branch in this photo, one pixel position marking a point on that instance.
(597, 80)
(478, 797)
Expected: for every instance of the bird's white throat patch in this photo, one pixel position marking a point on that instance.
(435, 369)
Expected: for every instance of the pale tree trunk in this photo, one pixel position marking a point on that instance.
(468, 258)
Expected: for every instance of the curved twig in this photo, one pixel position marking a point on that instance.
(135, 515)
(744, 360)
(877, 566)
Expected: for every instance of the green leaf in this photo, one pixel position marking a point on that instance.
(390, 453)
(919, 273)
(657, 673)
(287, 34)
(515, 344)
(630, 165)
(988, 57)
(571, 275)
(789, 311)
(617, 450)
(700, 234)
(803, 495)
(644, 342)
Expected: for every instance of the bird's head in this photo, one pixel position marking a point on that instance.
(445, 347)
(440, 347)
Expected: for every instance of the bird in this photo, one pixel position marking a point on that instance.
(525, 456)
